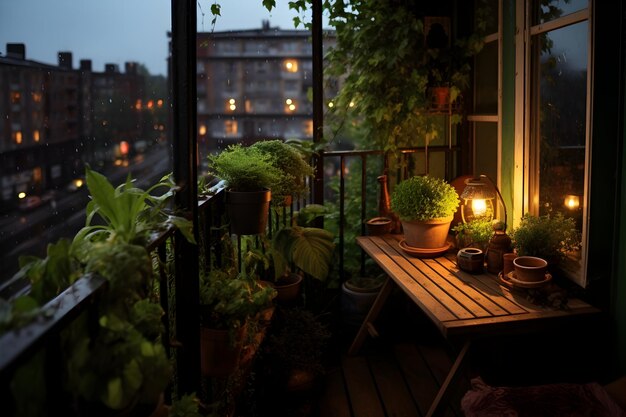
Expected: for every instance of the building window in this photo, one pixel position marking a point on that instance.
(36, 136)
(17, 137)
(558, 139)
(230, 127)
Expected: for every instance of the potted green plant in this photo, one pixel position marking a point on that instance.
(294, 168)
(550, 237)
(475, 233)
(250, 174)
(296, 249)
(425, 206)
(117, 363)
(227, 300)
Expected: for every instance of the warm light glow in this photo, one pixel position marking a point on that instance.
(118, 162)
(232, 107)
(479, 207)
(138, 104)
(124, 147)
(572, 202)
(289, 101)
(160, 103)
(291, 66)
(292, 107)
(150, 104)
(18, 137)
(36, 135)
(202, 130)
(231, 101)
(21, 195)
(351, 104)
(78, 182)
(331, 104)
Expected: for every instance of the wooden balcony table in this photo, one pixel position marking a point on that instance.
(462, 306)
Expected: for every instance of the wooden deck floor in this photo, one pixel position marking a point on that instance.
(399, 373)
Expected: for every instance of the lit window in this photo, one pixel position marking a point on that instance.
(202, 130)
(36, 97)
(36, 136)
(308, 127)
(17, 137)
(159, 103)
(230, 127)
(15, 97)
(138, 104)
(150, 104)
(291, 65)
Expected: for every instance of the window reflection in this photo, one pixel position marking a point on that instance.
(559, 136)
(548, 10)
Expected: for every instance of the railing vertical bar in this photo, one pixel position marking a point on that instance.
(164, 300)
(342, 208)
(363, 205)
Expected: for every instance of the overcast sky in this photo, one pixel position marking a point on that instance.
(117, 31)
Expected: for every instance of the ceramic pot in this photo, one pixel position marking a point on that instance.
(357, 297)
(288, 288)
(378, 226)
(530, 268)
(248, 211)
(430, 234)
(220, 353)
(470, 259)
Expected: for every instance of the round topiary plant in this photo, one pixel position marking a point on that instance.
(291, 163)
(424, 198)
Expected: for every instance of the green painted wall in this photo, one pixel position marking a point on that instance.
(508, 105)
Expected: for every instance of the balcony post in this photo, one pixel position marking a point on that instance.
(184, 141)
(318, 98)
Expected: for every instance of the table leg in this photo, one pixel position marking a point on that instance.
(449, 378)
(388, 286)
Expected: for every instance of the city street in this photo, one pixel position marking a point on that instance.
(28, 233)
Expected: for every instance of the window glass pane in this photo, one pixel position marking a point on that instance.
(486, 149)
(75, 91)
(491, 15)
(547, 10)
(486, 91)
(560, 125)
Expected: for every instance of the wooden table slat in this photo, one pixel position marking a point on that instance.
(487, 284)
(430, 303)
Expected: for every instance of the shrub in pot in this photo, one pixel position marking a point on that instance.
(227, 300)
(250, 174)
(425, 206)
(293, 167)
(550, 237)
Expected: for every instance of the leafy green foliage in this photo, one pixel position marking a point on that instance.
(130, 214)
(310, 249)
(186, 406)
(476, 232)
(549, 237)
(424, 198)
(294, 168)
(245, 168)
(228, 298)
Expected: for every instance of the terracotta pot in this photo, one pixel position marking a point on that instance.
(441, 97)
(288, 288)
(248, 211)
(220, 353)
(530, 268)
(378, 226)
(430, 234)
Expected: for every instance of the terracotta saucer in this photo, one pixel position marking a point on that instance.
(511, 280)
(423, 253)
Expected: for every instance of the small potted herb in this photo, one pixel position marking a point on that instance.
(425, 206)
(250, 174)
(475, 233)
(550, 237)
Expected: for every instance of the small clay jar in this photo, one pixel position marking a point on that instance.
(470, 260)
